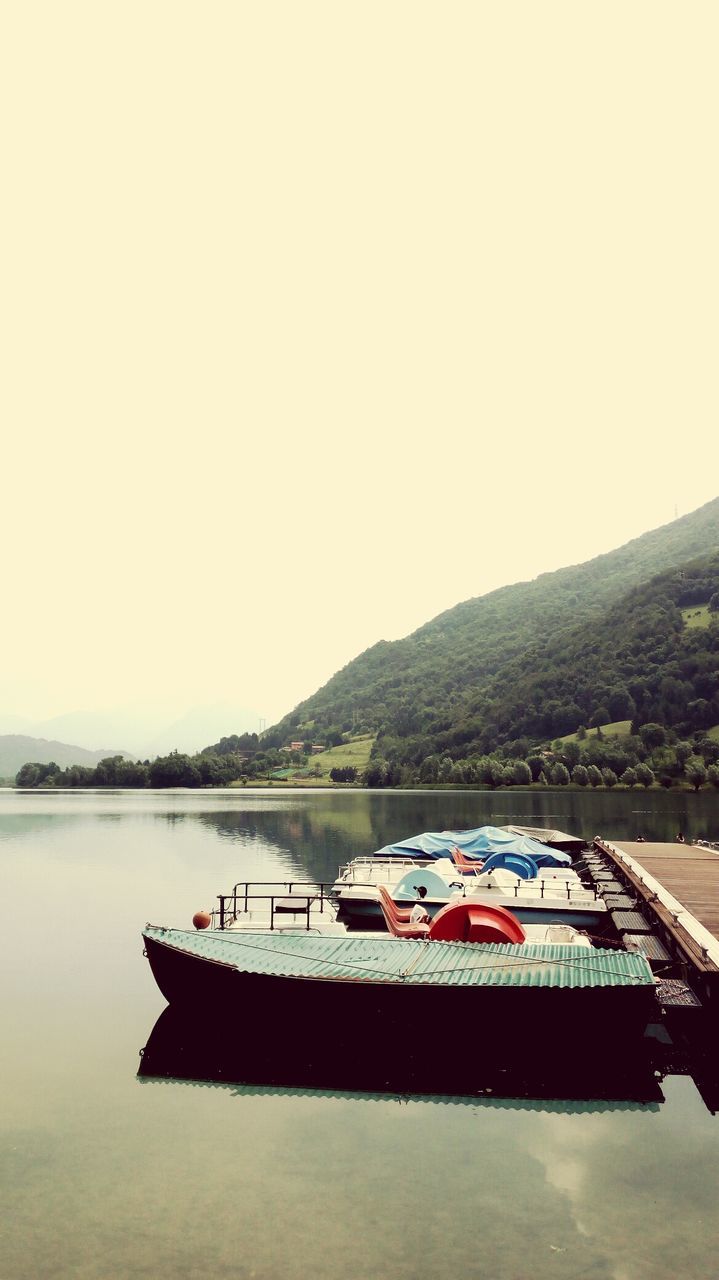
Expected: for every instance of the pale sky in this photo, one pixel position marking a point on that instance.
(318, 318)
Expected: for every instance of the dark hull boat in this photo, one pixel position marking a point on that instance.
(403, 988)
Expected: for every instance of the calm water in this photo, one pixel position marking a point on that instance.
(107, 1175)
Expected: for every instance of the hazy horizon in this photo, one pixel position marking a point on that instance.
(319, 321)
(145, 730)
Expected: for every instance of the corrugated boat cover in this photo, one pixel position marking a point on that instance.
(411, 962)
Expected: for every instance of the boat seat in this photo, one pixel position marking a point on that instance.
(520, 864)
(397, 918)
(467, 866)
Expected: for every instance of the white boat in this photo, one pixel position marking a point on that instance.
(556, 896)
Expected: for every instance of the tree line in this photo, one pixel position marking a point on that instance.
(653, 756)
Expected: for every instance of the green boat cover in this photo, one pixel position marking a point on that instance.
(404, 960)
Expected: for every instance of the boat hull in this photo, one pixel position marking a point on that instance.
(275, 1006)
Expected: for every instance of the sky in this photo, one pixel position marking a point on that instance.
(317, 319)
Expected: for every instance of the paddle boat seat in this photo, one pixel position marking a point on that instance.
(463, 921)
(466, 866)
(467, 921)
(519, 863)
(397, 918)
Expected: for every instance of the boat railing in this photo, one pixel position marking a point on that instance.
(306, 893)
(349, 870)
(551, 889)
(547, 889)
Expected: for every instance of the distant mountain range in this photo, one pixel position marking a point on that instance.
(141, 731)
(486, 671)
(16, 749)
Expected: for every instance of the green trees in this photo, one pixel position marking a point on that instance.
(375, 775)
(571, 753)
(175, 770)
(445, 769)
(36, 775)
(496, 773)
(521, 773)
(560, 775)
(580, 775)
(644, 774)
(113, 771)
(620, 704)
(429, 769)
(695, 771)
(346, 774)
(652, 735)
(536, 765)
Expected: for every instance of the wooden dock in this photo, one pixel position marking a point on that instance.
(677, 890)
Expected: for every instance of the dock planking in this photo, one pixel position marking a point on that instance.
(688, 873)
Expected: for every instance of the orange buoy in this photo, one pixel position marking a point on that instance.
(202, 919)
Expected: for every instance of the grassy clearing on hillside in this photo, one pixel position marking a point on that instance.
(697, 616)
(356, 753)
(714, 733)
(616, 729)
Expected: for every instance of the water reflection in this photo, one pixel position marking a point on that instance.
(179, 1048)
(295, 1167)
(314, 839)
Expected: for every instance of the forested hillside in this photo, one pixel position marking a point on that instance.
(531, 660)
(504, 690)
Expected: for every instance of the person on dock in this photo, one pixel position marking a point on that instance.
(420, 914)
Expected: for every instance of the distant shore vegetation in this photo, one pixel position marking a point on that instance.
(615, 755)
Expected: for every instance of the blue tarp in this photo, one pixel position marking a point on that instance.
(477, 843)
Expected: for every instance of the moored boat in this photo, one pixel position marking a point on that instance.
(487, 864)
(559, 899)
(477, 843)
(402, 986)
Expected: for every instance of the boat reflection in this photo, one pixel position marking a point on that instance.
(179, 1048)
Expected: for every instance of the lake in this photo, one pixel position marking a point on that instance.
(105, 1174)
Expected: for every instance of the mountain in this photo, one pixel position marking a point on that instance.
(447, 682)
(144, 730)
(651, 657)
(17, 749)
(201, 725)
